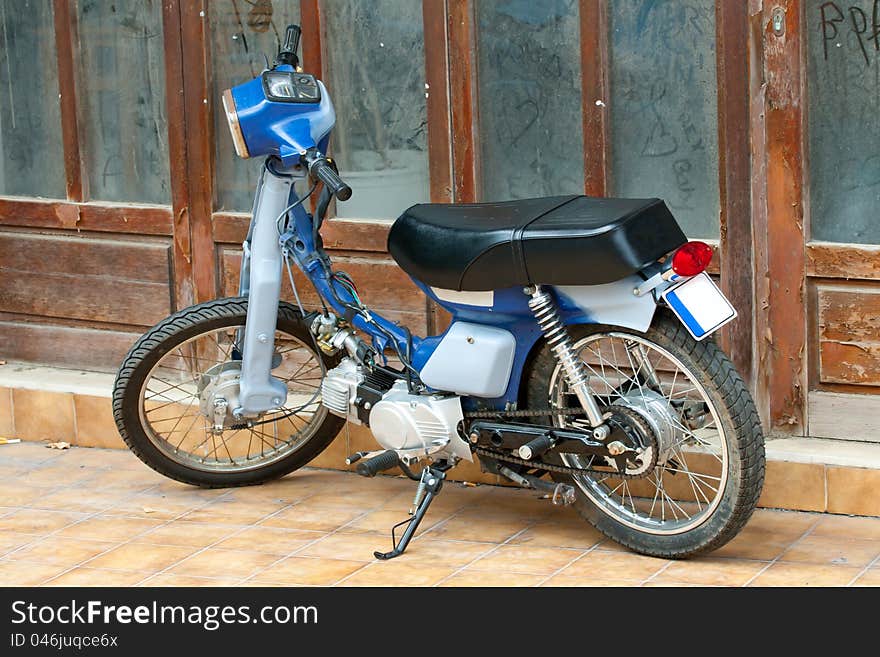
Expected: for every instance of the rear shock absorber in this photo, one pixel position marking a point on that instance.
(544, 309)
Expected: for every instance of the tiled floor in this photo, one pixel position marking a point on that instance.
(99, 517)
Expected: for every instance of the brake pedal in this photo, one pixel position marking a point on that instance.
(560, 494)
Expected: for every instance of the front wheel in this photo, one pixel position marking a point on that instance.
(704, 468)
(176, 391)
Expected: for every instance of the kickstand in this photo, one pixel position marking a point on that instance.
(430, 484)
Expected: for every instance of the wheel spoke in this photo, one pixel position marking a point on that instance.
(190, 377)
(643, 376)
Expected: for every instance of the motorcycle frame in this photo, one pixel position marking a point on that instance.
(267, 245)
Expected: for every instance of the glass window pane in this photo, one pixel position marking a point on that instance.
(30, 117)
(843, 87)
(374, 55)
(664, 112)
(122, 100)
(531, 136)
(243, 35)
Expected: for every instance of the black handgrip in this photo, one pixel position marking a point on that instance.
(287, 52)
(323, 171)
(291, 38)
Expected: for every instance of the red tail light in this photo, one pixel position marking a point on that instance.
(692, 258)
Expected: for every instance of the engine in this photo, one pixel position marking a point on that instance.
(400, 421)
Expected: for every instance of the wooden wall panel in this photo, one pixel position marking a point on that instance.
(84, 278)
(849, 335)
(64, 346)
(830, 260)
(103, 217)
(847, 417)
(382, 285)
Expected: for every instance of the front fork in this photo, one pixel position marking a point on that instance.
(260, 281)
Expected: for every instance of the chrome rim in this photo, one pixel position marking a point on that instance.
(688, 482)
(171, 404)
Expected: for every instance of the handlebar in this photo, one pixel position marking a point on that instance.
(321, 169)
(287, 53)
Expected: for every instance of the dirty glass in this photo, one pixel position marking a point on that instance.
(32, 162)
(121, 97)
(529, 81)
(664, 107)
(843, 87)
(374, 57)
(244, 34)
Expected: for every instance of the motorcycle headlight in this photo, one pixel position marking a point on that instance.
(234, 127)
(279, 85)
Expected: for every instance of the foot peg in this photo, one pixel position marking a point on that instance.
(560, 494)
(379, 463)
(429, 485)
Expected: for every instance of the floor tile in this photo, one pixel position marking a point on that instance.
(12, 541)
(579, 535)
(308, 571)
(109, 528)
(39, 522)
(141, 557)
(614, 566)
(219, 563)
(799, 574)
(192, 534)
(271, 540)
(398, 573)
(61, 551)
(564, 580)
(482, 578)
(835, 550)
(179, 581)
(354, 547)
(233, 512)
(525, 559)
(85, 576)
(382, 520)
(95, 426)
(869, 578)
(26, 573)
(482, 529)
(42, 415)
(711, 572)
(314, 519)
(430, 550)
(848, 526)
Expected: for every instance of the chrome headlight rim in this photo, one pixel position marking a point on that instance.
(234, 127)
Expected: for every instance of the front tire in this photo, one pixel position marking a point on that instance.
(690, 518)
(159, 409)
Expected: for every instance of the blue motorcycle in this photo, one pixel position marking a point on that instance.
(576, 363)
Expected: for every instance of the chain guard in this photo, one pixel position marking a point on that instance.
(507, 457)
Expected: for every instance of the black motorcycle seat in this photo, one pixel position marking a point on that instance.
(557, 240)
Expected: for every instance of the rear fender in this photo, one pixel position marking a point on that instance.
(614, 304)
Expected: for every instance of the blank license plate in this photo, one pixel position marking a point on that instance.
(700, 305)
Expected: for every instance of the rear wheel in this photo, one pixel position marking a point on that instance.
(178, 386)
(702, 482)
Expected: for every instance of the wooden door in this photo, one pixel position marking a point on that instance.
(818, 139)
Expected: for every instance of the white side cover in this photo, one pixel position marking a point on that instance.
(612, 303)
(471, 359)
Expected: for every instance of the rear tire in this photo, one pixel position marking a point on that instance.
(171, 334)
(743, 474)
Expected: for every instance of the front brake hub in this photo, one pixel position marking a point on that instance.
(219, 393)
